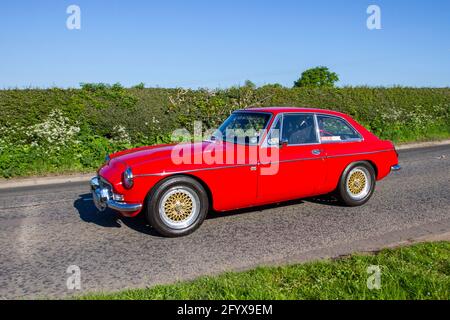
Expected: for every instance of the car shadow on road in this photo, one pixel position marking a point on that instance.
(216, 214)
(109, 218)
(328, 200)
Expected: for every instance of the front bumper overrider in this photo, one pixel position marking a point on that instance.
(104, 197)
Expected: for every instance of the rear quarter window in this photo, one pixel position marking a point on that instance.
(334, 129)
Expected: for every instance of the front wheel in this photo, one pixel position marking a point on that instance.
(357, 184)
(177, 206)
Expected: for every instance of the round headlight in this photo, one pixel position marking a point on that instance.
(127, 178)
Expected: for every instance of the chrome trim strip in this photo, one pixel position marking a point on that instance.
(359, 153)
(327, 157)
(304, 144)
(316, 123)
(122, 206)
(265, 143)
(293, 160)
(162, 174)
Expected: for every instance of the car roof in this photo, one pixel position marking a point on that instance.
(277, 110)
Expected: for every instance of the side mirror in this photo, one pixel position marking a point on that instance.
(278, 142)
(274, 141)
(283, 143)
(254, 140)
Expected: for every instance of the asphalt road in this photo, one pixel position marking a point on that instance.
(46, 229)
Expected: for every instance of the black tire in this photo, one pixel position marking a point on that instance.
(344, 192)
(160, 221)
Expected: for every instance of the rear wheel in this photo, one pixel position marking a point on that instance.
(177, 206)
(357, 184)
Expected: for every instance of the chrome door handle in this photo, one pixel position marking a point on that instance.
(253, 168)
(316, 152)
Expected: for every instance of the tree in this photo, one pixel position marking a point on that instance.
(249, 84)
(139, 86)
(318, 77)
(272, 86)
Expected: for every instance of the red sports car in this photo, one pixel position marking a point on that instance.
(257, 156)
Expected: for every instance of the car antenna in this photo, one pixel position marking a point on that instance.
(259, 101)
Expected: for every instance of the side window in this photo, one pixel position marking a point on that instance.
(333, 129)
(274, 134)
(299, 129)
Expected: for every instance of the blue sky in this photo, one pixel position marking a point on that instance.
(219, 43)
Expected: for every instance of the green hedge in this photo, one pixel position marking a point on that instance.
(56, 130)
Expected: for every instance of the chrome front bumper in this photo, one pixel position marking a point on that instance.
(104, 197)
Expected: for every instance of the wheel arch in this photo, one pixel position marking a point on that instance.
(203, 183)
(341, 190)
(373, 164)
(370, 162)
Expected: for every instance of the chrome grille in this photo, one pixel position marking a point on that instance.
(107, 185)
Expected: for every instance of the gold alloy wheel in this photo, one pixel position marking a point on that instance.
(178, 206)
(356, 182)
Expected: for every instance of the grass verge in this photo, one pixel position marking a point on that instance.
(420, 271)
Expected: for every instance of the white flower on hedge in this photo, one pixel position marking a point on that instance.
(392, 115)
(154, 120)
(120, 134)
(9, 136)
(54, 131)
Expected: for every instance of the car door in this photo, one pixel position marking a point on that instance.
(234, 183)
(295, 165)
(342, 144)
(232, 177)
